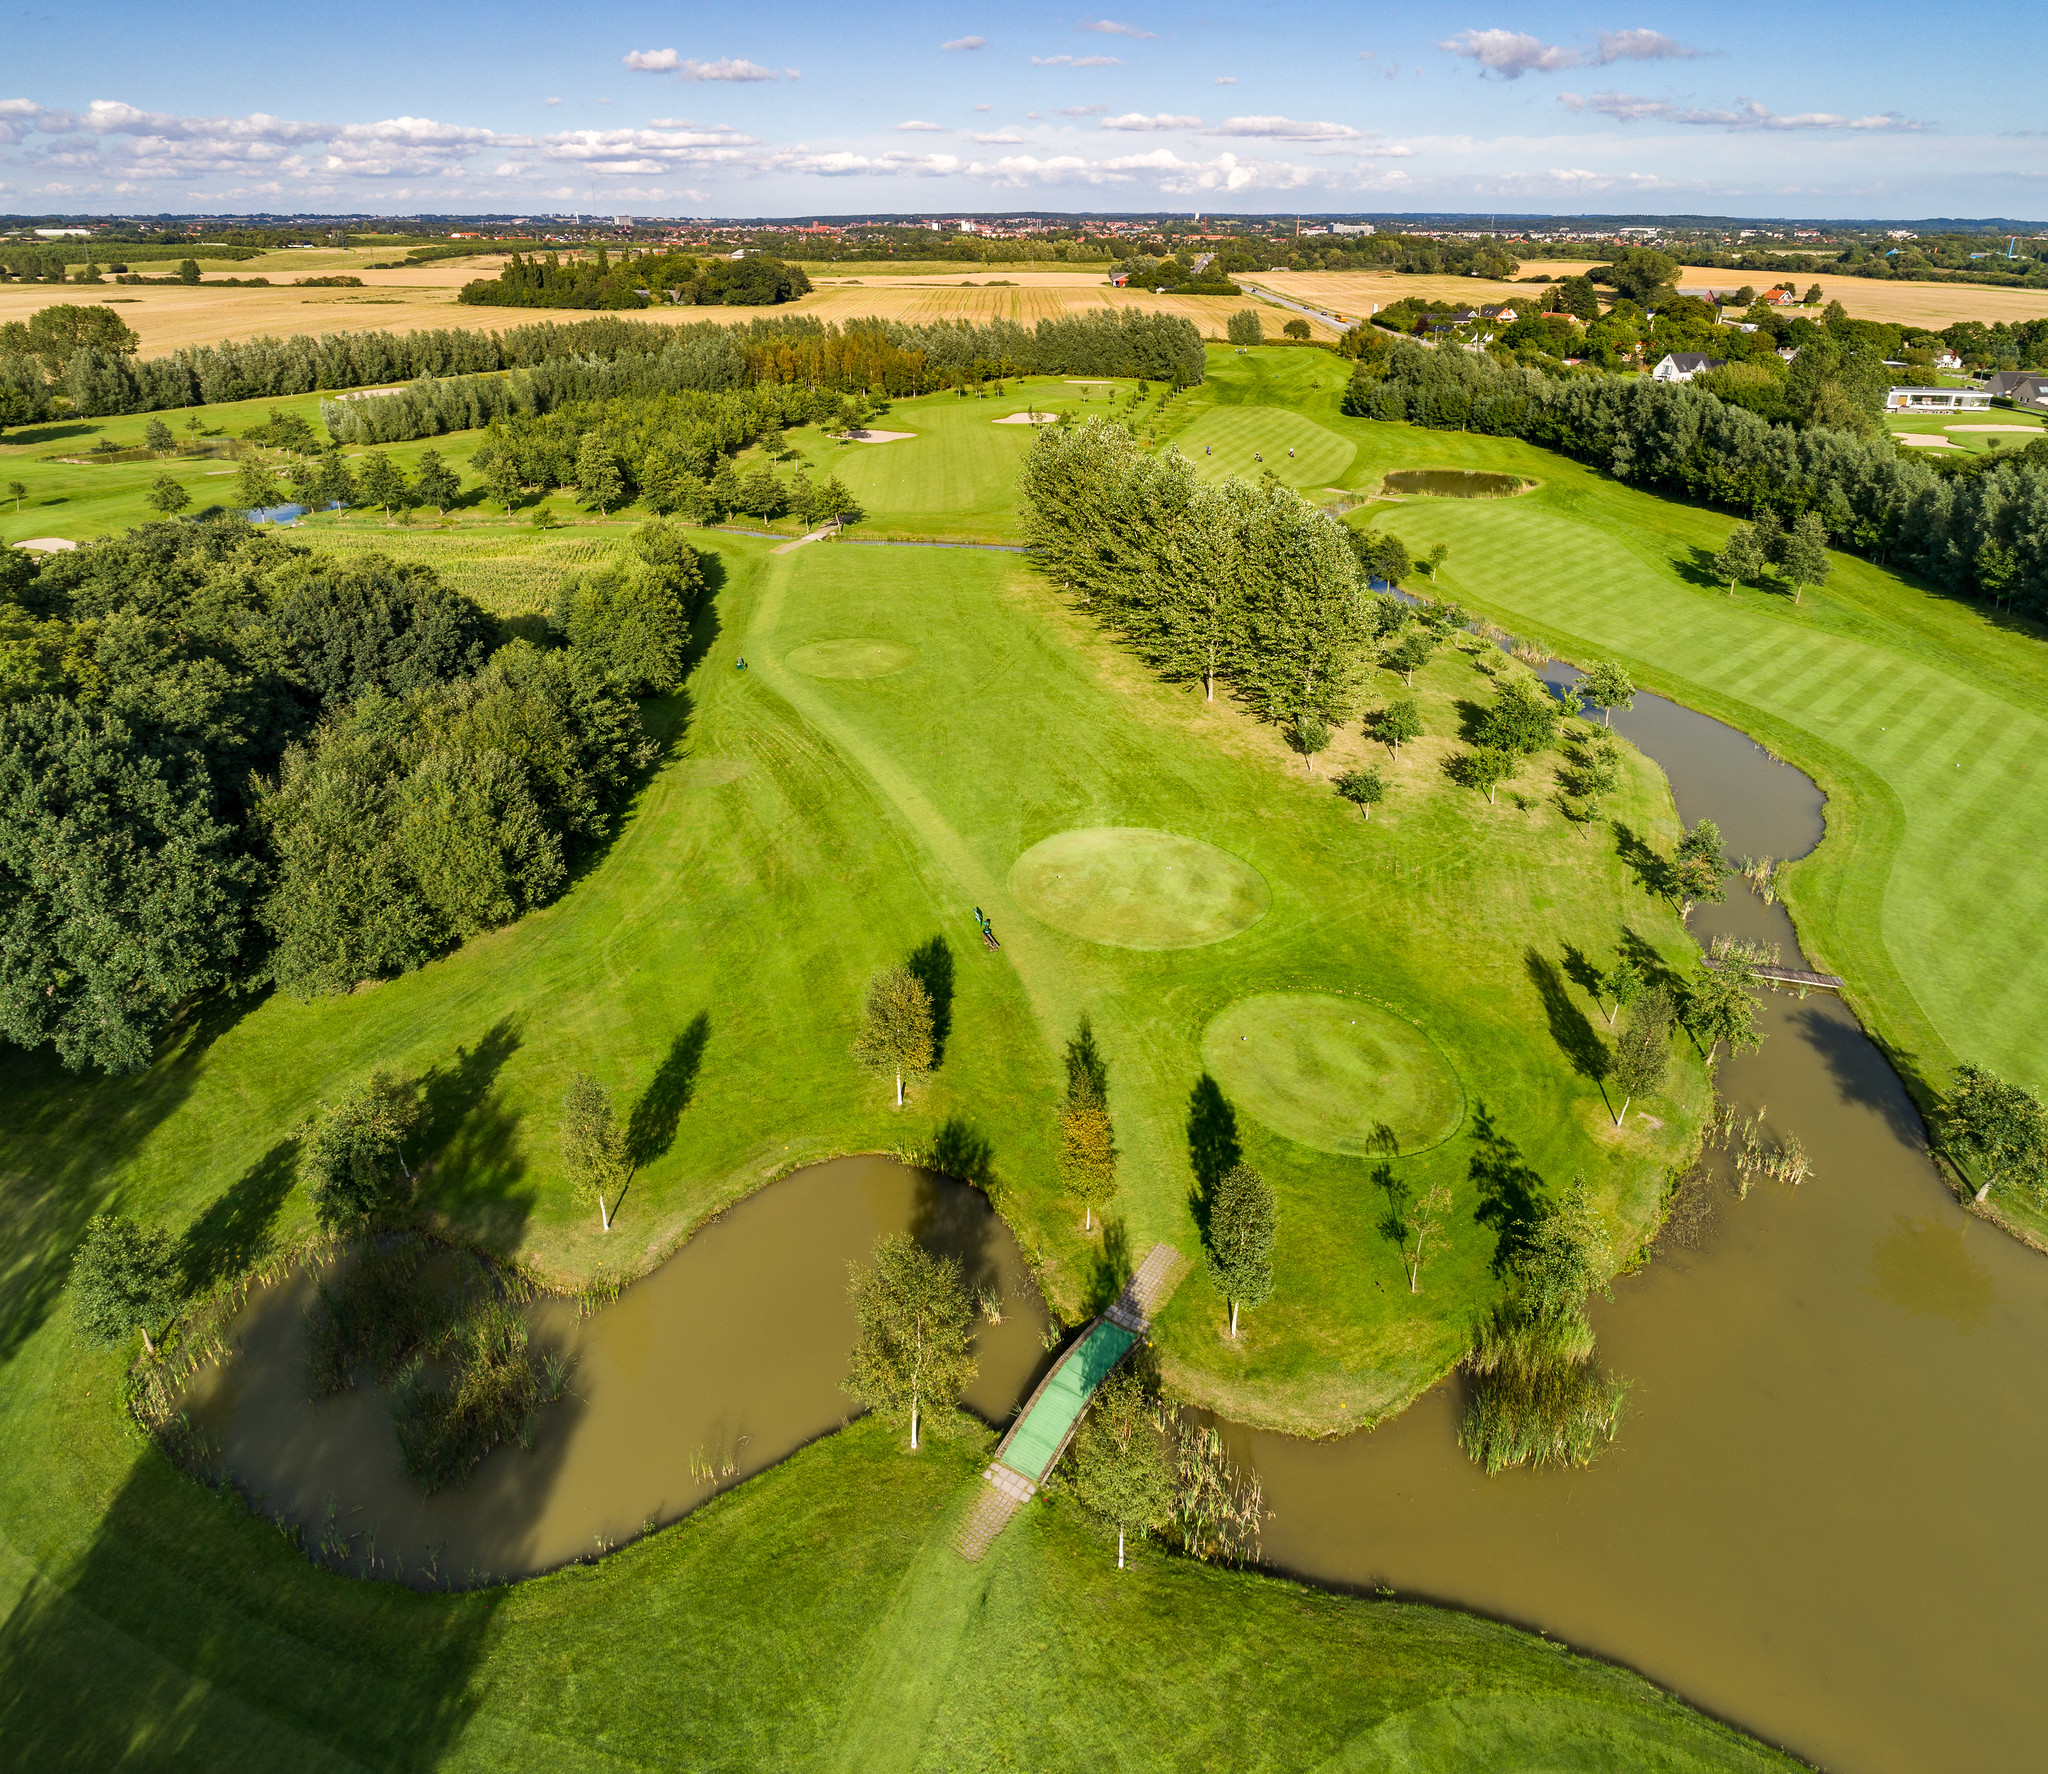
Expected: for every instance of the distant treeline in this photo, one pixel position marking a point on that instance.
(48, 260)
(638, 280)
(96, 372)
(227, 761)
(1984, 534)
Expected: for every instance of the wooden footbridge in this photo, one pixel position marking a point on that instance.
(1045, 1425)
(1794, 976)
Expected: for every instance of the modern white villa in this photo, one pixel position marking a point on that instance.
(1937, 400)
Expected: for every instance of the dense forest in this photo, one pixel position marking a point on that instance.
(84, 355)
(638, 280)
(1983, 534)
(226, 762)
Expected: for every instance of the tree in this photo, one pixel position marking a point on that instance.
(597, 474)
(1381, 556)
(188, 270)
(1246, 328)
(1486, 767)
(438, 484)
(1577, 297)
(381, 480)
(254, 489)
(1638, 272)
(1625, 984)
(1123, 1465)
(1742, 560)
(1087, 1136)
(1642, 1051)
(354, 1150)
(1435, 558)
(633, 626)
(1297, 329)
(124, 1279)
(896, 1027)
(17, 491)
(505, 479)
(1399, 722)
(332, 482)
(1411, 652)
(167, 496)
(838, 503)
(157, 436)
(1240, 1245)
(594, 1147)
(1364, 789)
(1421, 1221)
(1608, 687)
(1523, 721)
(913, 1312)
(2000, 1126)
(1720, 1000)
(1699, 868)
(1311, 734)
(1804, 557)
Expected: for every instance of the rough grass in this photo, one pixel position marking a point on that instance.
(1138, 889)
(1329, 1072)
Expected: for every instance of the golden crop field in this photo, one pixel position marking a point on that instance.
(168, 316)
(1353, 294)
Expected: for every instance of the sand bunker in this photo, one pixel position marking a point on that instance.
(865, 436)
(1133, 888)
(1026, 419)
(48, 544)
(1923, 442)
(1336, 1074)
(2026, 428)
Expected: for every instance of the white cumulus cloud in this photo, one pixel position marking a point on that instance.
(1744, 114)
(1077, 61)
(966, 43)
(1511, 54)
(1110, 28)
(1287, 129)
(667, 61)
(1137, 120)
(918, 123)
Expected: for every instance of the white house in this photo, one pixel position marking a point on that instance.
(1937, 400)
(1945, 359)
(1682, 366)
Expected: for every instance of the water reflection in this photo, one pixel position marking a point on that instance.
(723, 1361)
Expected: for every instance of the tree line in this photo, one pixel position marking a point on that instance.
(227, 762)
(1983, 536)
(83, 362)
(638, 280)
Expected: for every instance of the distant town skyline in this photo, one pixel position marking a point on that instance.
(923, 108)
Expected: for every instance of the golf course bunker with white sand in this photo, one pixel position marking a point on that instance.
(1331, 1072)
(855, 657)
(1134, 888)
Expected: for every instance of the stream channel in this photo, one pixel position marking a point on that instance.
(1821, 1519)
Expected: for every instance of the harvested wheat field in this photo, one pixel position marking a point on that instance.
(1352, 294)
(168, 316)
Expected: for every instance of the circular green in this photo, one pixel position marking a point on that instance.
(1134, 888)
(1331, 1072)
(856, 657)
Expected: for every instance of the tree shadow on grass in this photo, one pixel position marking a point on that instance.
(1392, 1226)
(652, 1129)
(1652, 872)
(1569, 1028)
(1510, 1192)
(470, 1167)
(1111, 1267)
(233, 1235)
(1213, 1147)
(931, 965)
(1697, 569)
(1580, 970)
(107, 1668)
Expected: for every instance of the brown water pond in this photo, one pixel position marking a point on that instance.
(1822, 1517)
(722, 1361)
(1452, 483)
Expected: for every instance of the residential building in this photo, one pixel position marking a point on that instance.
(1682, 366)
(1937, 400)
(2004, 383)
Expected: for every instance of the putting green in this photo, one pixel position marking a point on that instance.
(854, 658)
(1328, 1072)
(1134, 888)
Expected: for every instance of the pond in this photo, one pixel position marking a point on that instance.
(724, 1360)
(1453, 483)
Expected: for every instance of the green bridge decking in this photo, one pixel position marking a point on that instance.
(1046, 1423)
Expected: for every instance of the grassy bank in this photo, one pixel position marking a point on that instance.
(815, 1618)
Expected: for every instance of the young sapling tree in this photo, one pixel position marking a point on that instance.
(594, 1149)
(1241, 1231)
(896, 1027)
(911, 1349)
(1123, 1464)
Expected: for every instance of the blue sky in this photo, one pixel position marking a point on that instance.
(1825, 109)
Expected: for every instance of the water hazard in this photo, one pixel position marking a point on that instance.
(722, 1361)
(1821, 1520)
(1453, 483)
